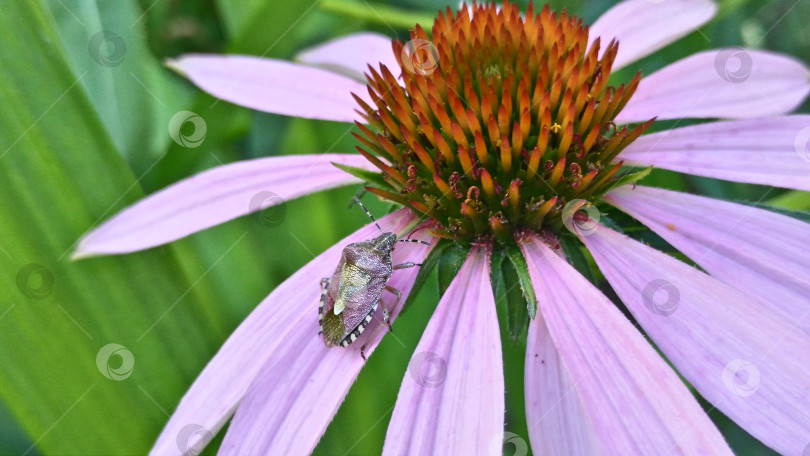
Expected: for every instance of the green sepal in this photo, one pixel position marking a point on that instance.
(425, 270)
(627, 179)
(450, 263)
(495, 277)
(522, 270)
(367, 176)
(577, 258)
(803, 216)
(623, 223)
(608, 221)
(627, 225)
(507, 291)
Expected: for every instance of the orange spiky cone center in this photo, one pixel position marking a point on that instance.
(498, 122)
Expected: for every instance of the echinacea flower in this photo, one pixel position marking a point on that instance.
(503, 132)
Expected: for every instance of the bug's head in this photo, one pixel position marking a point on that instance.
(385, 242)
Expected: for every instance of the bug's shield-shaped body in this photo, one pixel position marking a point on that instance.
(351, 296)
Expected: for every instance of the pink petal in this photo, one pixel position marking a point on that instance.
(216, 196)
(274, 85)
(643, 26)
(284, 323)
(594, 384)
(745, 359)
(298, 391)
(769, 151)
(759, 252)
(558, 423)
(452, 398)
(728, 83)
(351, 54)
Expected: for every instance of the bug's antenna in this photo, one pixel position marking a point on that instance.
(424, 226)
(358, 194)
(357, 200)
(414, 240)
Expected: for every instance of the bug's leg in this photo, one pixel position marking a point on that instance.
(397, 293)
(386, 320)
(386, 314)
(324, 289)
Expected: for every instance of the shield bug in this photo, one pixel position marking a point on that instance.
(352, 294)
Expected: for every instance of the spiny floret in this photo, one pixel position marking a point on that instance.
(499, 122)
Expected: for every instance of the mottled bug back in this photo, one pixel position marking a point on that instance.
(353, 293)
(355, 313)
(332, 326)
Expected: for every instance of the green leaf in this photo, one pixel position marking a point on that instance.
(794, 200)
(134, 96)
(522, 269)
(60, 175)
(248, 26)
(381, 14)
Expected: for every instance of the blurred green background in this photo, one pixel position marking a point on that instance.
(84, 133)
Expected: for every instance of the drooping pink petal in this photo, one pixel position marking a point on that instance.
(730, 83)
(298, 391)
(351, 54)
(285, 322)
(746, 359)
(216, 196)
(557, 421)
(452, 398)
(756, 251)
(594, 385)
(643, 26)
(274, 85)
(771, 151)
